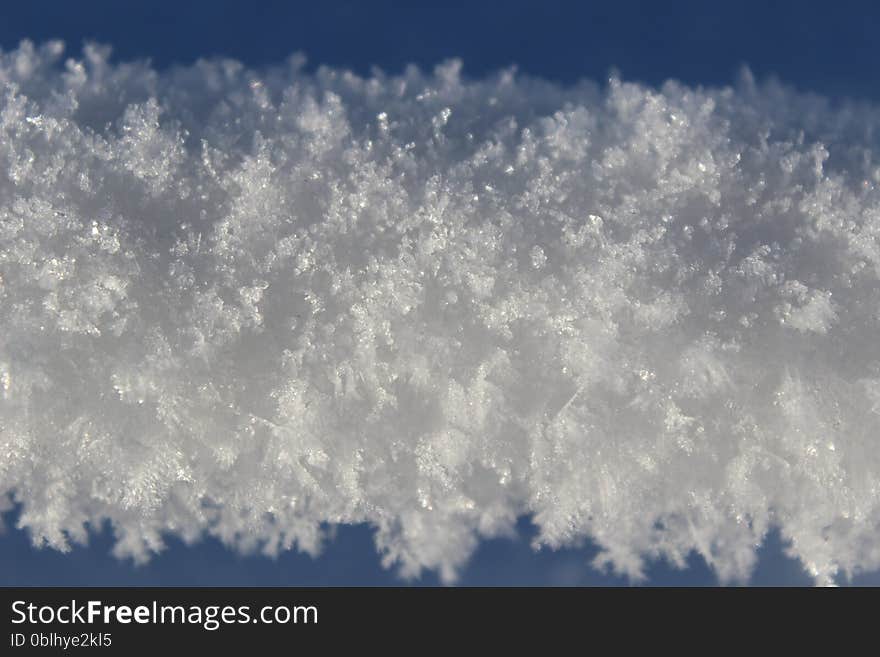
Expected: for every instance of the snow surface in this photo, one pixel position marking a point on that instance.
(255, 304)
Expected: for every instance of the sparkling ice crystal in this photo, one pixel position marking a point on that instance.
(257, 303)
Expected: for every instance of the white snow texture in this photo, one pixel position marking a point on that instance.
(259, 304)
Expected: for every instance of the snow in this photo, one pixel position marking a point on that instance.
(255, 304)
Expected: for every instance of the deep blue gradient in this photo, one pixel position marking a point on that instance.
(348, 560)
(828, 48)
(824, 47)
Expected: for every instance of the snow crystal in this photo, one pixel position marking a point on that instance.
(257, 303)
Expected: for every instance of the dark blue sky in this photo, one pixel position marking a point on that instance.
(349, 560)
(827, 47)
(824, 47)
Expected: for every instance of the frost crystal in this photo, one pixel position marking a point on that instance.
(255, 304)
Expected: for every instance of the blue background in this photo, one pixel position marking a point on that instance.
(828, 48)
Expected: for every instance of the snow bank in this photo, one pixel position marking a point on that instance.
(255, 304)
